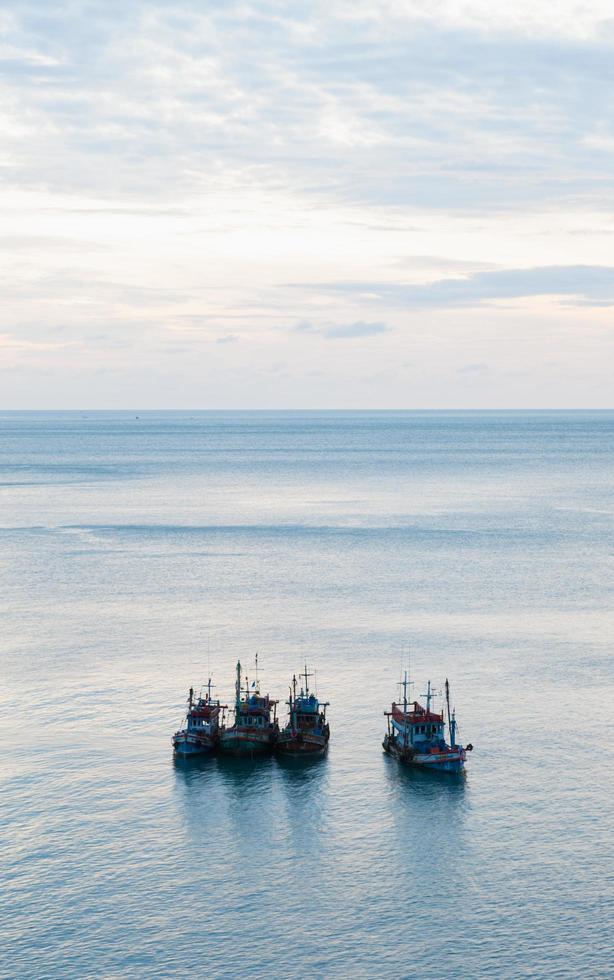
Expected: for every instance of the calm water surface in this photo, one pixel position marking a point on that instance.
(137, 552)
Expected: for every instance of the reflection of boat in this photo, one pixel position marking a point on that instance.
(416, 735)
(307, 731)
(253, 731)
(203, 724)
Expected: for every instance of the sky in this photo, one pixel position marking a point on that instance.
(350, 204)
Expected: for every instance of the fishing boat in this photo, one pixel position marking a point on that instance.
(204, 722)
(306, 733)
(253, 731)
(416, 735)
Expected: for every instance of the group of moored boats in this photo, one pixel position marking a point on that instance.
(415, 736)
(255, 729)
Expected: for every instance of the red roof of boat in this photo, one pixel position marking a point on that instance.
(205, 711)
(418, 716)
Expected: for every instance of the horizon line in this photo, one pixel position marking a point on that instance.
(93, 411)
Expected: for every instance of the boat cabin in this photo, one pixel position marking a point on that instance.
(418, 723)
(255, 711)
(203, 717)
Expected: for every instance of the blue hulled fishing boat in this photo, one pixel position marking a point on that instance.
(204, 722)
(306, 733)
(416, 735)
(254, 731)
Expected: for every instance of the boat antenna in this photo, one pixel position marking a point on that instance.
(405, 684)
(429, 697)
(405, 709)
(256, 669)
(306, 675)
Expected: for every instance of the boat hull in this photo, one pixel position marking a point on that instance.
(245, 742)
(187, 745)
(301, 745)
(449, 761)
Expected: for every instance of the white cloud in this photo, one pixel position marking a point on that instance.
(341, 331)
(166, 166)
(587, 285)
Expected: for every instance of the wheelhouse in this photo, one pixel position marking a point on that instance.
(418, 724)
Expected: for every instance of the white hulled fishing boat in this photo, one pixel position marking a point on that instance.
(204, 723)
(416, 734)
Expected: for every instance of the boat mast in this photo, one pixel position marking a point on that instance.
(238, 694)
(405, 682)
(306, 675)
(191, 698)
(451, 718)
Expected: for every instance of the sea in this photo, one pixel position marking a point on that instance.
(144, 552)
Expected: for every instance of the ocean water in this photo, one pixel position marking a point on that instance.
(138, 553)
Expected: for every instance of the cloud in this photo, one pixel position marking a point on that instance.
(358, 329)
(441, 263)
(341, 331)
(70, 288)
(585, 285)
(10, 342)
(473, 369)
(50, 243)
(166, 164)
(145, 100)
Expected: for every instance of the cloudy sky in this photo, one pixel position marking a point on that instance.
(351, 203)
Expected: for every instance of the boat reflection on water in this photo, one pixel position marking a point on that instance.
(302, 766)
(194, 770)
(226, 771)
(238, 773)
(286, 798)
(424, 783)
(305, 805)
(428, 809)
